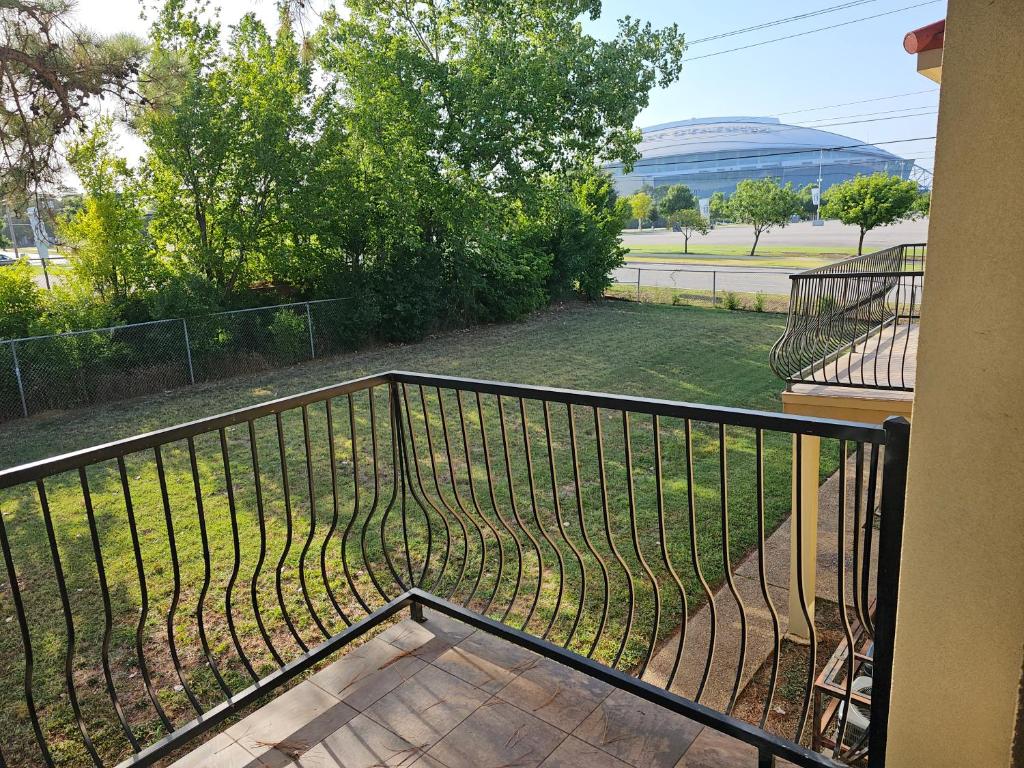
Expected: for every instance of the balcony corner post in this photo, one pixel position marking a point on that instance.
(890, 547)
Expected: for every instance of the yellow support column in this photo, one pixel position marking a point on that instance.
(803, 529)
(956, 695)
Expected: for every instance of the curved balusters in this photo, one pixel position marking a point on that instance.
(159, 578)
(852, 323)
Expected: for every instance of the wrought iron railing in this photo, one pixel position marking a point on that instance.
(159, 585)
(854, 323)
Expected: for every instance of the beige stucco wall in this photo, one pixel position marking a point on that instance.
(960, 628)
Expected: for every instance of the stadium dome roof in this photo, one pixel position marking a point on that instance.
(741, 134)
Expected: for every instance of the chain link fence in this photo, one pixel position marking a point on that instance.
(754, 290)
(102, 365)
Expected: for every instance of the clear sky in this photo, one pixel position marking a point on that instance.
(858, 61)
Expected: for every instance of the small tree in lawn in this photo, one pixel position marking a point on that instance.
(872, 201)
(641, 205)
(763, 203)
(690, 222)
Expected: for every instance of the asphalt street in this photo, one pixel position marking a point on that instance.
(831, 234)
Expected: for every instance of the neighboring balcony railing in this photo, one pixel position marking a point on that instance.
(158, 585)
(854, 323)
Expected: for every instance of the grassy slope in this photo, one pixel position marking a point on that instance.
(677, 353)
(668, 352)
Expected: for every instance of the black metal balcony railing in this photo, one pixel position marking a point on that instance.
(158, 585)
(854, 323)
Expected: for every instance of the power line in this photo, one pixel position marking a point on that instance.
(862, 101)
(871, 120)
(784, 20)
(790, 152)
(811, 31)
(870, 114)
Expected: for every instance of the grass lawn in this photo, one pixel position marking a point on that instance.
(680, 353)
(789, 257)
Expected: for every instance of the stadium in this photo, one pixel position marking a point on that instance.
(713, 154)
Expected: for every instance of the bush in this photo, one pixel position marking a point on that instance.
(21, 301)
(759, 301)
(289, 336)
(731, 300)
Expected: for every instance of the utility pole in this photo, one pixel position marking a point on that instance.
(41, 242)
(10, 228)
(816, 194)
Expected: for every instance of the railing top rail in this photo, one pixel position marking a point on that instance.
(42, 468)
(769, 420)
(837, 267)
(850, 275)
(740, 417)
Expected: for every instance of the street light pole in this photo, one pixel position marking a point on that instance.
(10, 228)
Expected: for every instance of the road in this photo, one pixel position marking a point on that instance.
(741, 279)
(830, 235)
(38, 277)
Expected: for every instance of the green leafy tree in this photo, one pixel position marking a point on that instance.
(923, 204)
(225, 134)
(456, 114)
(871, 201)
(678, 197)
(110, 249)
(507, 90)
(580, 228)
(642, 206)
(719, 207)
(690, 222)
(763, 204)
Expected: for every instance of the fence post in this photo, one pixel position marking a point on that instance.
(188, 352)
(890, 550)
(638, 283)
(17, 375)
(309, 325)
(714, 288)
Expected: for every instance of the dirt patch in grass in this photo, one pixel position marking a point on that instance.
(788, 701)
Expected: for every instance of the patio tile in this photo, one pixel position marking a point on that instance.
(638, 732)
(555, 693)
(364, 675)
(713, 749)
(426, 707)
(219, 752)
(497, 735)
(573, 753)
(296, 720)
(428, 762)
(486, 661)
(430, 639)
(362, 743)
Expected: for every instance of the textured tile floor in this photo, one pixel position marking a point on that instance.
(441, 695)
